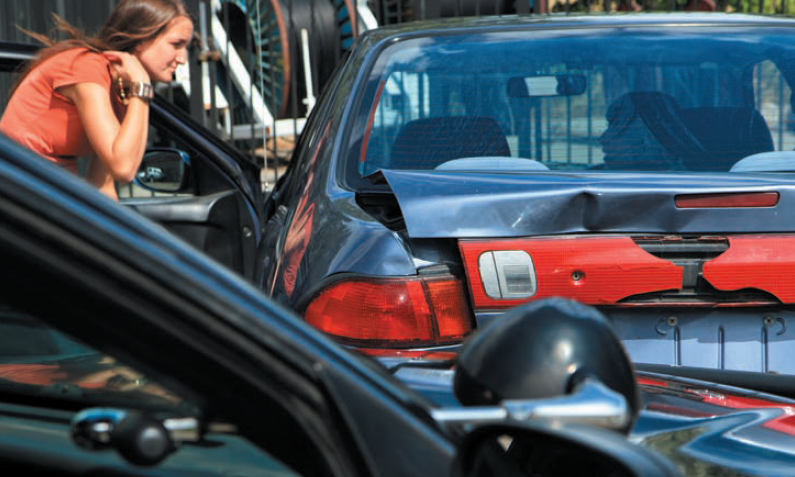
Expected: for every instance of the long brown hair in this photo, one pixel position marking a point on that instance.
(131, 23)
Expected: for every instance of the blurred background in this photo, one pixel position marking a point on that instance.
(257, 66)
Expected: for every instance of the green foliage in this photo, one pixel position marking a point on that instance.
(768, 7)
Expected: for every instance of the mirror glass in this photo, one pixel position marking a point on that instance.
(162, 170)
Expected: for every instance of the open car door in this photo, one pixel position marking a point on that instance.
(193, 183)
(200, 188)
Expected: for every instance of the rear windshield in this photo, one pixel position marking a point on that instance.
(602, 100)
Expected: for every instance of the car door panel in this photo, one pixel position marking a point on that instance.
(219, 209)
(213, 223)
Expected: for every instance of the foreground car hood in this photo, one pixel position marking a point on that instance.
(470, 205)
(704, 428)
(698, 425)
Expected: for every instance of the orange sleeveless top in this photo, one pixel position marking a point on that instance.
(47, 122)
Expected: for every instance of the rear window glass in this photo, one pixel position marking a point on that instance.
(579, 100)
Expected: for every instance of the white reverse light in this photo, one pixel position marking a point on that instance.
(507, 274)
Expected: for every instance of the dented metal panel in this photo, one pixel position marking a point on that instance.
(476, 205)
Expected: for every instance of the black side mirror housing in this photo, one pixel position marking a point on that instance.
(545, 350)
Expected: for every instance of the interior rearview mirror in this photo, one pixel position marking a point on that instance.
(550, 85)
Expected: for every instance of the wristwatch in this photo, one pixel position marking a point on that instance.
(136, 89)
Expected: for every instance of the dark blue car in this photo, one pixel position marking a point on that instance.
(642, 164)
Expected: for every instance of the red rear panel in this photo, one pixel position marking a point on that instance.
(593, 270)
(606, 270)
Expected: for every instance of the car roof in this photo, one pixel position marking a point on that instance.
(590, 20)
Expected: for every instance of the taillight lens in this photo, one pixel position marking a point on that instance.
(392, 312)
(739, 200)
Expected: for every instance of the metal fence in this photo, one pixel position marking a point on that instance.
(258, 65)
(36, 15)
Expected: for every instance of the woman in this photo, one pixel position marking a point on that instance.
(89, 96)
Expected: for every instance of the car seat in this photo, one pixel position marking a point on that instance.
(427, 142)
(727, 134)
(648, 130)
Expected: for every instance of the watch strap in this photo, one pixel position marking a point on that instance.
(135, 89)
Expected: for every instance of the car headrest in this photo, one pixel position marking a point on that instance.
(427, 142)
(648, 130)
(728, 134)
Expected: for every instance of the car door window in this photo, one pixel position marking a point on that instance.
(32, 353)
(37, 361)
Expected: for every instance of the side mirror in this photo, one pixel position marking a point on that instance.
(164, 170)
(555, 359)
(531, 449)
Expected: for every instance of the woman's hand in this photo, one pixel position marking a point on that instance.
(118, 145)
(127, 67)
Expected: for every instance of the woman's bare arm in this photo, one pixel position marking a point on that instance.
(118, 146)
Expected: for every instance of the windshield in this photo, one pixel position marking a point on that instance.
(603, 100)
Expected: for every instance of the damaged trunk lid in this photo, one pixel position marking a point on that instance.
(692, 269)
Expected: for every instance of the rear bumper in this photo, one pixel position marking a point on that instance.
(744, 339)
(757, 339)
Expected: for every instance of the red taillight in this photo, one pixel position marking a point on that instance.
(393, 312)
